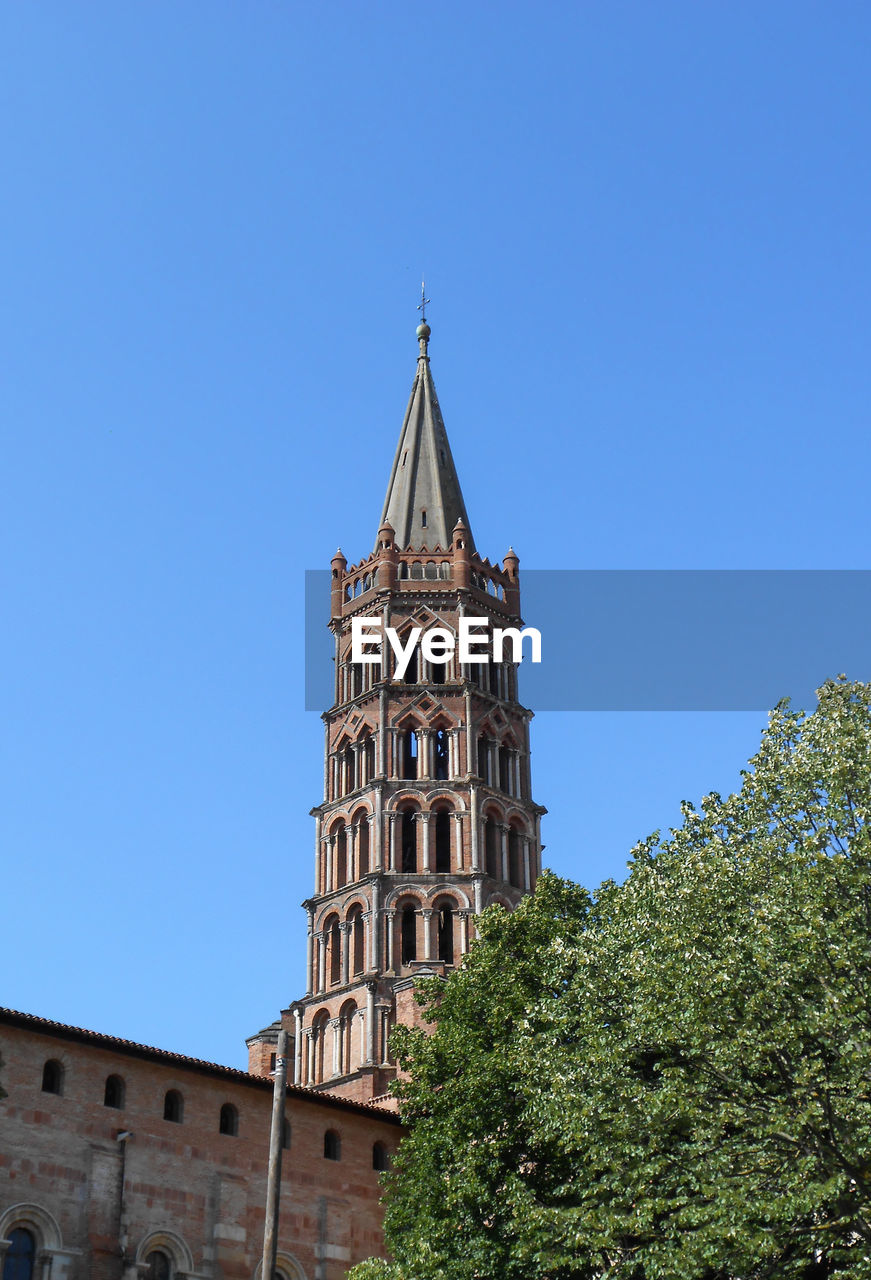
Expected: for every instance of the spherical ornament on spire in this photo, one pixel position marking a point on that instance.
(423, 331)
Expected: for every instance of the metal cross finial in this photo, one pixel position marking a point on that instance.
(424, 301)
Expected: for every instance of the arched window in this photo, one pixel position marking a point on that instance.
(20, 1256)
(229, 1121)
(355, 919)
(408, 931)
(159, 1266)
(446, 934)
(341, 857)
(409, 840)
(443, 840)
(53, 1077)
(285, 1134)
(362, 841)
(515, 858)
(334, 950)
(410, 676)
(440, 744)
(354, 680)
(346, 1034)
(332, 1145)
(173, 1106)
(113, 1094)
(484, 760)
(370, 757)
(319, 1036)
(408, 759)
(492, 852)
(380, 1157)
(505, 770)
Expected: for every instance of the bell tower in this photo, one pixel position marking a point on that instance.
(427, 816)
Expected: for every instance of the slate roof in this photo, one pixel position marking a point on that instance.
(424, 480)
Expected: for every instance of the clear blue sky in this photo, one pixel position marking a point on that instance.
(645, 230)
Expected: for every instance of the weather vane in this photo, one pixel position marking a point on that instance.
(424, 301)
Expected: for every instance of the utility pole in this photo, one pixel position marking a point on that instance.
(273, 1180)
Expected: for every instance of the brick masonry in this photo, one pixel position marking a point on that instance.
(97, 1203)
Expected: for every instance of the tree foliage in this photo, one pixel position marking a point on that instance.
(669, 1078)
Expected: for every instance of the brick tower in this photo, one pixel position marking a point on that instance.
(427, 815)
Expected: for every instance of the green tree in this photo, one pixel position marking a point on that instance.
(670, 1078)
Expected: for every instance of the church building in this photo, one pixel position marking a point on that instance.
(427, 816)
(119, 1161)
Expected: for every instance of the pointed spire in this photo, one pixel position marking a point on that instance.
(424, 500)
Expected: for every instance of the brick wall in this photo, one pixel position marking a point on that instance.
(199, 1191)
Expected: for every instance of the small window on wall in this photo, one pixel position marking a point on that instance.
(380, 1158)
(173, 1106)
(53, 1077)
(229, 1120)
(113, 1094)
(20, 1256)
(159, 1266)
(332, 1145)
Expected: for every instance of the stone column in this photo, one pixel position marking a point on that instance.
(382, 744)
(310, 953)
(385, 1034)
(503, 841)
(389, 917)
(424, 769)
(470, 733)
(322, 961)
(374, 843)
(361, 1037)
(478, 897)
(330, 863)
(457, 852)
(527, 878)
(476, 856)
(310, 1056)
(493, 764)
(393, 770)
(336, 1025)
(393, 819)
(351, 853)
(370, 1024)
(515, 760)
(297, 1046)
(453, 753)
(375, 929)
(424, 818)
(376, 851)
(345, 930)
(464, 931)
(426, 913)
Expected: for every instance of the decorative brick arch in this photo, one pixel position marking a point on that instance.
(408, 795)
(442, 795)
(460, 897)
(497, 899)
(170, 1243)
(286, 1265)
(409, 890)
(32, 1217)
